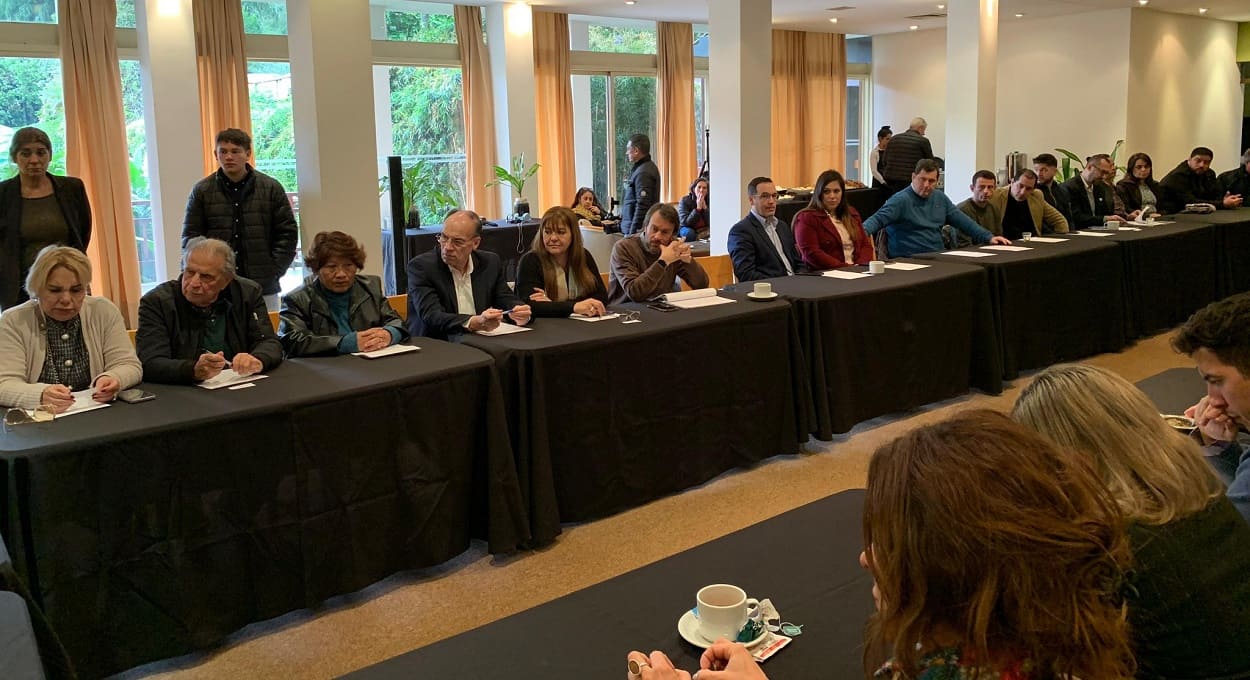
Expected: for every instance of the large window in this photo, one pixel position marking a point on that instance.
(616, 107)
(700, 119)
(423, 22)
(427, 129)
(854, 130)
(140, 195)
(30, 94)
(273, 138)
(630, 37)
(263, 17)
(28, 11)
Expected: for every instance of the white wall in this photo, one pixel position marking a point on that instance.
(909, 80)
(1183, 89)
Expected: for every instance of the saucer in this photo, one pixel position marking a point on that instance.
(770, 296)
(688, 627)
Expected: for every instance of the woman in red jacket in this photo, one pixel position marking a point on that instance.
(828, 232)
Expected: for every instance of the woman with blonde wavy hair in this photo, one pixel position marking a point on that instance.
(1189, 607)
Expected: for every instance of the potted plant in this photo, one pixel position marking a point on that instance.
(423, 189)
(515, 177)
(1071, 164)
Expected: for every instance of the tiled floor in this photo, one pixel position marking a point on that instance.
(414, 609)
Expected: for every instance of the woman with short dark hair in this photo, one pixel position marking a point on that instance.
(37, 209)
(337, 310)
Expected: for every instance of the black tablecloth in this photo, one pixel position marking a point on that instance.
(867, 201)
(606, 416)
(1232, 242)
(149, 530)
(1174, 390)
(805, 561)
(1170, 272)
(888, 343)
(1055, 302)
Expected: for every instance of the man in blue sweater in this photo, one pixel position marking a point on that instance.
(913, 218)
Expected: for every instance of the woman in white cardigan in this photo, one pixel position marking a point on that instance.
(63, 340)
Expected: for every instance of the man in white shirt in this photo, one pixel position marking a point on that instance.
(762, 245)
(455, 288)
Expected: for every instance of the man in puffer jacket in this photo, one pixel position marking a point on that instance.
(247, 209)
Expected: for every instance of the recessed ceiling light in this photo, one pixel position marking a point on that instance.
(631, 2)
(835, 20)
(912, 28)
(941, 6)
(1020, 15)
(1142, 2)
(1202, 10)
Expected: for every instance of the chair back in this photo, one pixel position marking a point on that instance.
(273, 320)
(400, 304)
(881, 243)
(599, 245)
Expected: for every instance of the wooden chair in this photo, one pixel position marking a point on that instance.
(131, 333)
(604, 276)
(400, 304)
(273, 319)
(719, 268)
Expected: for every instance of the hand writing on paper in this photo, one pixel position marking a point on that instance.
(56, 397)
(209, 365)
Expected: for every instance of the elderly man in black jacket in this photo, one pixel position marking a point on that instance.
(247, 209)
(906, 150)
(1193, 181)
(642, 189)
(206, 320)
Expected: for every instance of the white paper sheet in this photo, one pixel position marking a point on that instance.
(1007, 249)
(968, 253)
(82, 403)
(1129, 228)
(689, 294)
(505, 329)
(1046, 239)
(387, 351)
(692, 303)
(905, 266)
(1143, 223)
(1099, 234)
(839, 274)
(227, 378)
(605, 317)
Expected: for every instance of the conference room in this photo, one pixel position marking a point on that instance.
(523, 502)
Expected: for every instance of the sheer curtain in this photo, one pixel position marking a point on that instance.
(553, 92)
(222, 65)
(479, 113)
(808, 106)
(674, 120)
(95, 146)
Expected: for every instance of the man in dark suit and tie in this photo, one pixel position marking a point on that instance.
(1091, 200)
(762, 246)
(455, 289)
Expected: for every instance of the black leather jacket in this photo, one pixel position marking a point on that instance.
(308, 328)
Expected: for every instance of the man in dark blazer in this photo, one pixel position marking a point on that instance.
(1090, 198)
(455, 289)
(1047, 166)
(761, 245)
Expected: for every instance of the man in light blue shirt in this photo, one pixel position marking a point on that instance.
(913, 218)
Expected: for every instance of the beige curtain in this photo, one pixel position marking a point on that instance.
(553, 91)
(479, 113)
(674, 149)
(95, 145)
(808, 106)
(222, 65)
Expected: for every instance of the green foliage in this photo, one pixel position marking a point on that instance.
(1071, 165)
(264, 17)
(33, 11)
(125, 14)
(415, 27)
(424, 185)
(618, 39)
(514, 176)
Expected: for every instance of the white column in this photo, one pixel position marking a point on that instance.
(971, 91)
(331, 91)
(171, 107)
(739, 109)
(582, 129)
(510, 38)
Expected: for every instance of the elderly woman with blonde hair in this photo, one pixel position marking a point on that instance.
(63, 340)
(1190, 596)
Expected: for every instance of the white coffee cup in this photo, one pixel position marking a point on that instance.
(723, 610)
(763, 289)
(876, 267)
(1111, 226)
(1026, 236)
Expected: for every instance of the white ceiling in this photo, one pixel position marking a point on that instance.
(871, 17)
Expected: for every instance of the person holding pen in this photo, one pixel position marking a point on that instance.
(206, 320)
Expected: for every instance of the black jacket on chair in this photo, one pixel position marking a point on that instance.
(1082, 216)
(71, 196)
(753, 253)
(432, 308)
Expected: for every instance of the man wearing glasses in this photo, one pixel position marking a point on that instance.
(762, 245)
(1092, 202)
(455, 288)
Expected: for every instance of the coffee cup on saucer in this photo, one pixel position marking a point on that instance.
(876, 267)
(723, 610)
(763, 289)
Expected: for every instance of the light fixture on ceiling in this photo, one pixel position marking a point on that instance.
(941, 6)
(833, 20)
(1202, 10)
(913, 28)
(1143, 2)
(1019, 15)
(631, 2)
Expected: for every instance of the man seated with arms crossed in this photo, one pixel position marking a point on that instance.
(1024, 210)
(1236, 182)
(762, 245)
(204, 321)
(913, 218)
(1092, 202)
(978, 206)
(1217, 338)
(1193, 181)
(456, 288)
(1047, 167)
(646, 265)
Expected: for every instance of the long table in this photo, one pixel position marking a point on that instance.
(1053, 302)
(1232, 243)
(150, 530)
(1170, 271)
(607, 415)
(805, 561)
(892, 342)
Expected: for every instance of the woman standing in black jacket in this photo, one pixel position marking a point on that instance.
(37, 209)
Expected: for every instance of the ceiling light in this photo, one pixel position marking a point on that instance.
(941, 6)
(1020, 15)
(1142, 2)
(835, 20)
(631, 2)
(912, 28)
(1202, 10)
